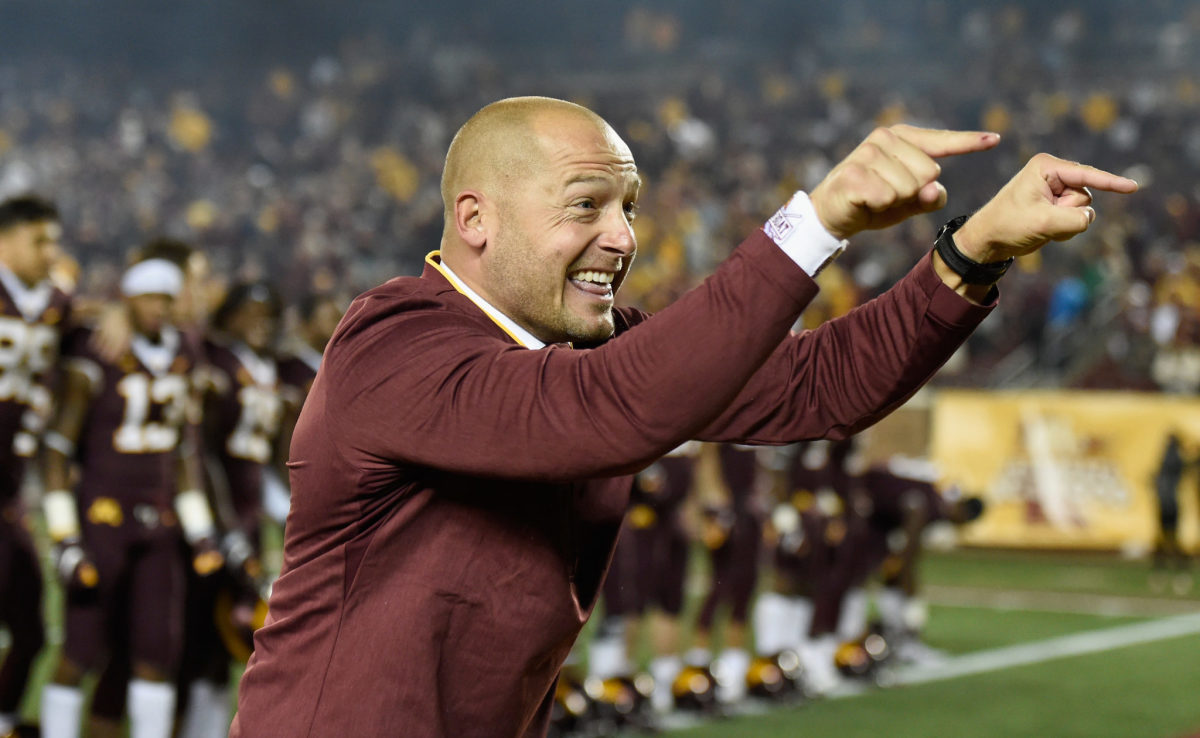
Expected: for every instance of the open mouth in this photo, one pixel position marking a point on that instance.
(593, 282)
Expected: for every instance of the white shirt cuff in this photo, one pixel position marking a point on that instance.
(797, 230)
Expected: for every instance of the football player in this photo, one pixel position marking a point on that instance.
(733, 534)
(804, 527)
(839, 602)
(645, 584)
(111, 340)
(127, 425)
(189, 310)
(242, 412)
(32, 314)
(319, 316)
(904, 501)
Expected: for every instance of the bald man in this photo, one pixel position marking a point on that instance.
(459, 471)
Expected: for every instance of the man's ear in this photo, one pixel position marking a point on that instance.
(469, 209)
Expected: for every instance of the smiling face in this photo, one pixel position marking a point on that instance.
(564, 242)
(556, 222)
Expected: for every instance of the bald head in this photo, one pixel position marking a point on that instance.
(499, 145)
(539, 199)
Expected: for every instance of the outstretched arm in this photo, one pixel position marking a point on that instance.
(476, 404)
(850, 372)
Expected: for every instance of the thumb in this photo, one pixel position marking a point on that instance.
(1063, 223)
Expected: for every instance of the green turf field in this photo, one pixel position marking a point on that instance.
(983, 602)
(1150, 689)
(1141, 691)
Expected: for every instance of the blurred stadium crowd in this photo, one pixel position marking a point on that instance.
(322, 171)
(316, 167)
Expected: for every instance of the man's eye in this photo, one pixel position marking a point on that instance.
(631, 210)
(588, 204)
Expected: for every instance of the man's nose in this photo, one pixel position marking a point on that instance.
(618, 236)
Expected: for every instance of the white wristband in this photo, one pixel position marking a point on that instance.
(62, 522)
(797, 230)
(194, 516)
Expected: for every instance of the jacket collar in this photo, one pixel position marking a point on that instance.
(433, 263)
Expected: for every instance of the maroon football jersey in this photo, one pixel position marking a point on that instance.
(139, 413)
(30, 336)
(245, 407)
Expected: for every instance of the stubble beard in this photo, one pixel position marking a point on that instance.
(534, 293)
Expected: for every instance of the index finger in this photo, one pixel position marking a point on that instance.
(938, 142)
(1069, 174)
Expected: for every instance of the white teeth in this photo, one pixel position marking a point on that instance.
(597, 277)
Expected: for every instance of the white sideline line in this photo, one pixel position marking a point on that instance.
(1075, 602)
(1077, 644)
(982, 662)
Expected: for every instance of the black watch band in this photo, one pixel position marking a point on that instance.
(971, 271)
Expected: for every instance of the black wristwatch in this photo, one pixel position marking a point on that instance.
(971, 271)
